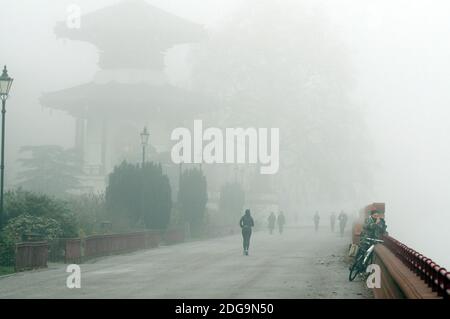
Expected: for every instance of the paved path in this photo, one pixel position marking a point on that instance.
(297, 264)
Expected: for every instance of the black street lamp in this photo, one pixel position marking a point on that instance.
(144, 142)
(5, 86)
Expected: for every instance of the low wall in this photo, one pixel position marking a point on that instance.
(356, 232)
(219, 231)
(101, 245)
(78, 249)
(407, 274)
(31, 255)
(397, 281)
(174, 235)
(57, 249)
(73, 252)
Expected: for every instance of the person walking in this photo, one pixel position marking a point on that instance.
(342, 222)
(316, 221)
(332, 221)
(271, 220)
(281, 220)
(246, 224)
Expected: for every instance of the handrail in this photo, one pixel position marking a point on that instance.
(435, 276)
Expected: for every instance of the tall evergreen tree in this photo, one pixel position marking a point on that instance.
(139, 196)
(50, 169)
(232, 199)
(192, 199)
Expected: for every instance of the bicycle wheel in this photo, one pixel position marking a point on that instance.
(356, 268)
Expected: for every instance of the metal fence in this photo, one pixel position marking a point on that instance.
(435, 276)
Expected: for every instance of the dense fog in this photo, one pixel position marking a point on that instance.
(359, 90)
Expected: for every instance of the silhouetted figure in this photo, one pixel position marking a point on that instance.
(246, 224)
(316, 221)
(342, 222)
(271, 220)
(280, 220)
(332, 221)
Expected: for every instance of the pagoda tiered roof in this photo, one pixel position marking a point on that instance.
(132, 34)
(117, 100)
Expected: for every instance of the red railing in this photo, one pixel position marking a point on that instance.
(174, 236)
(435, 276)
(73, 251)
(213, 231)
(77, 250)
(100, 245)
(31, 255)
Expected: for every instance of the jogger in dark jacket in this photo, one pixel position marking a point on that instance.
(246, 224)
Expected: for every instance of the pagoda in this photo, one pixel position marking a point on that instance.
(131, 89)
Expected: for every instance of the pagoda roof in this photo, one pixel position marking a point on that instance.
(115, 99)
(132, 33)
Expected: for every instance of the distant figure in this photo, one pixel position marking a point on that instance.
(316, 221)
(246, 224)
(332, 221)
(342, 222)
(280, 220)
(271, 220)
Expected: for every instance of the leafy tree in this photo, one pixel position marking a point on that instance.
(139, 196)
(21, 202)
(285, 67)
(50, 169)
(232, 199)
(89, 209)
(7, 247)
(192, 199)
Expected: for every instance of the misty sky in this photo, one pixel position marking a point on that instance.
(400, 51)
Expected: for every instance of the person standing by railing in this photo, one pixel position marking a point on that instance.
(374, 226)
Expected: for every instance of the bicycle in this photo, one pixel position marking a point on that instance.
(363, 258)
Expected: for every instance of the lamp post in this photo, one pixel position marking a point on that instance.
(144, 142)
(5, 86)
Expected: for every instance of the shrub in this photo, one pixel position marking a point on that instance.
(90, 210)
(20, 202)
(7, 257)
(17, 227)
(47, 228)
